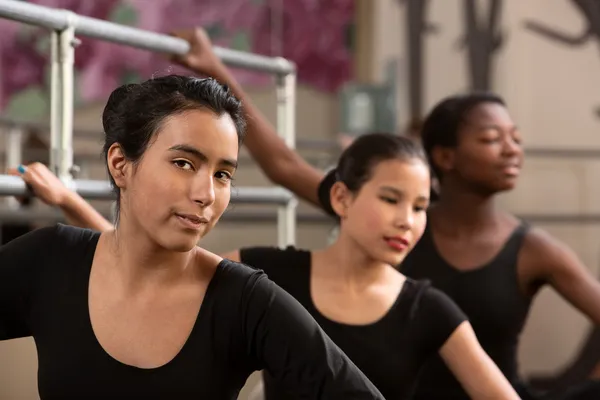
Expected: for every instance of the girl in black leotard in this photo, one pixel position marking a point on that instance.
(140, 311)
(474, 146)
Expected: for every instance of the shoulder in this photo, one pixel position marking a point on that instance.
(434, 315)
(266, 258)
(244, 283)
(543, 254)
(433, 302)
(50, 237)
(73, 236)
(539, 242)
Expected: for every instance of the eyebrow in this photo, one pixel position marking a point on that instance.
(493, 126)
(400, 193)
(201, 156)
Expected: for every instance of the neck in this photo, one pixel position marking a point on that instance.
(464, 207)
(141, 262)
(349, 265)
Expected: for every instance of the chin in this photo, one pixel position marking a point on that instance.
(391, 258)
(507, 186)
(179, 243)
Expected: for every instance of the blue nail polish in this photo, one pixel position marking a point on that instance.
(21, 169)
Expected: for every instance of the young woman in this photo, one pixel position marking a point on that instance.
(387, 324)
(140, 311)
(469, 245)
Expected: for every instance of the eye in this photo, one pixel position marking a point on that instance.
(420, 208)
(389, 200)
(183, 164)
(223, 175)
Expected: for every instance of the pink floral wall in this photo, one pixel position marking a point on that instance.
(312, 33)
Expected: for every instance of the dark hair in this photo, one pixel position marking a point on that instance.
(134, 113)
(440, 128)
(356, 163)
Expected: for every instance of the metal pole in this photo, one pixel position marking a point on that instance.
(55, 100)
(61, 134)
(58, 20)
(101, 190)
(14, 154)
(286, 124)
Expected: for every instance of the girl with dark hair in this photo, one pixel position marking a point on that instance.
(490, 263)
(140, 311)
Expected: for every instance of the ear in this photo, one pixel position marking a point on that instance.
(341, 198)
(443, 158)
(118, 165)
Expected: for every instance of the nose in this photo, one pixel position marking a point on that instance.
(511, 147)
(203, 189)
(405, 218)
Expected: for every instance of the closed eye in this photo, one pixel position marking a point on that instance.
(389, 200)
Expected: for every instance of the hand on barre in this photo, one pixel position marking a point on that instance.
(201, 57)
(43, 183)
(48, 188)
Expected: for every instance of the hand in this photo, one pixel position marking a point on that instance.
(201, 57)
(46, 186)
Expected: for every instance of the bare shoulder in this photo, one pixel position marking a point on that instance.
(542, 244)
(206, 262)
(543, 254)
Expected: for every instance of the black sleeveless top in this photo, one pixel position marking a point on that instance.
(489, 296)
(391, 351)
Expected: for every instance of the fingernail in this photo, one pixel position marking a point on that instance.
(21, 169)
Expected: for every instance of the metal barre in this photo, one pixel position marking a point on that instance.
(59, 20)
(101, 190)
(65, 24)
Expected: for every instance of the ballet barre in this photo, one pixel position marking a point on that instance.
(64, 25)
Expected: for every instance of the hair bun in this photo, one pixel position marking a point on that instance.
(325, 189)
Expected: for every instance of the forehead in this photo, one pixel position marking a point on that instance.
(403, 175)
(489, 114)
(201, 129)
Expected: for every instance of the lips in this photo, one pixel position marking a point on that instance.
(511, 169)
(397, 243)
(191, 221)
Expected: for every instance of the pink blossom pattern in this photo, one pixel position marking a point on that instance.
(312, 33)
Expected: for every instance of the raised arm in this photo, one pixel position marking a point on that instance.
(281, 165)
(48, 188)
(286, 341)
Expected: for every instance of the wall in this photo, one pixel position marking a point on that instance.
(551, 90)
(316, 118)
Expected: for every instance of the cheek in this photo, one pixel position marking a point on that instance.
(222, 199)
(370, 217)
(419, 225)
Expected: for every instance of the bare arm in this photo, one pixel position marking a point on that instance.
(555, 263)
(281, 165)
(473, 368)
(48, 188)
(78, 212)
